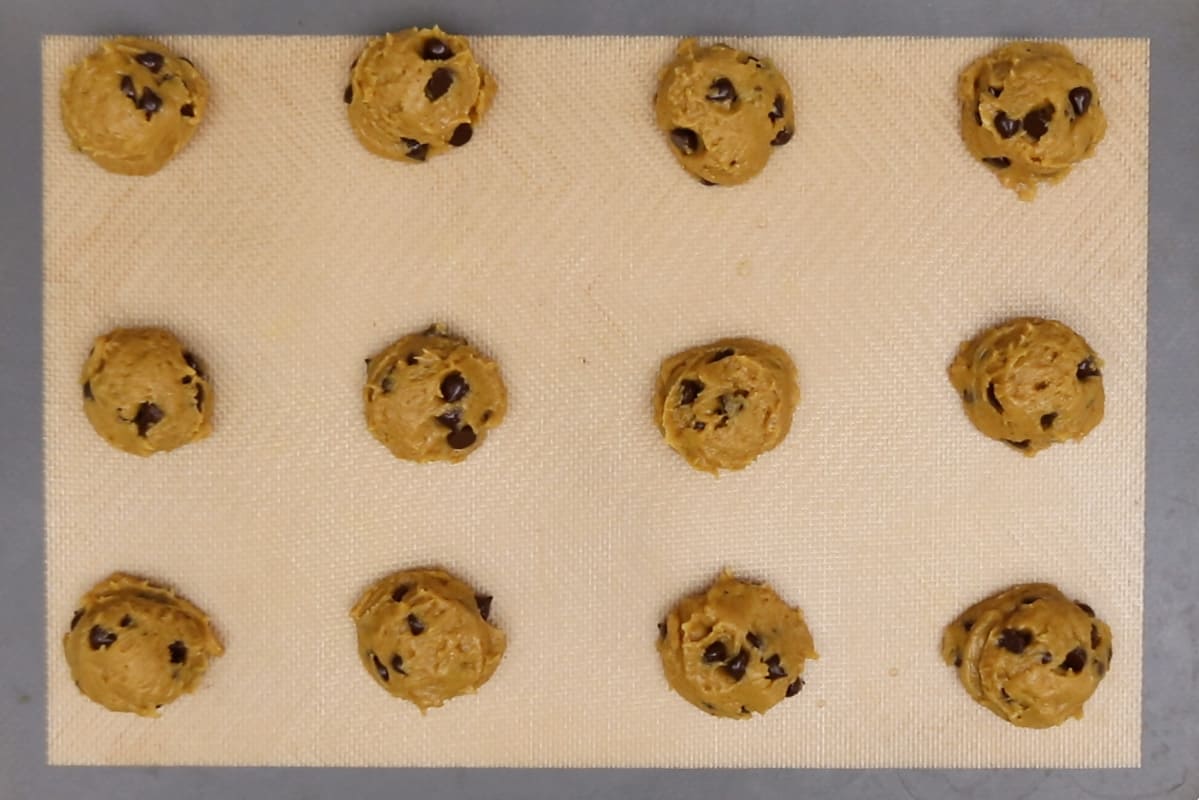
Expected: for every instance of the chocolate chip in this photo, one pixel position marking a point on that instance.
(782, 137)
(721, 355)
(736, 665)
(957, 660)
(1041, 386)
(1076, 659)
(178, 651)
(744, 710)
(721, 91)
(685, 139)
(662, 629)
(199, 397)
(415, 625)
(348, 95)
(75, 618)
(999, 162)
(776, 111)
(1028, 601)
(461, 134)
(417, 151)
(723, 422)
(151, 61)
(436, 50)
(1047, 420)
(193, 362)
(439, 83)
(99, 637)
(753, 640)
(968, 624)
(715, 652)
(87, 391)
(1095, 638)
(399, 592)
(397, 665)
(483, 603)
(699, 425)
(126, 621)
(1015, 639)
(1046, 657)
(1020, 445)
(454, 387)
(487, 415)
(379, 668)
(706, 182)
(1005, 125)
(128, 89)
(992, 399)
(187, 110)
(794, 687)
(995, 91)
(1087, 369)
(1090, 612)
(148, 415)
(1036, 122)
(149, 102)
(774, 669)
(462, 438)
(450, 419)
(688, 391)
(1080, 99)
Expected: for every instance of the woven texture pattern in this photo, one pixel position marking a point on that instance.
(567, 243)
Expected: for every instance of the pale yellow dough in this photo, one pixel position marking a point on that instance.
(735, 649)
(723, 111)
(1029, 654)
(144, 393)
(136, 646)
(723, 404)
(132, 105)
(417, 93)
(1030, 112)
(1030, 382)
(423, 635)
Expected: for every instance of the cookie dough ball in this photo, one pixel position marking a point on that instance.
(433, 397)
(1030, 383)
(735, 649)
(144, 393)
(1030, 112)
(423, 635)
(136, 646)
(1029, 654)
(723, 111)
(132, 105)
(417, 93)
(724, 404)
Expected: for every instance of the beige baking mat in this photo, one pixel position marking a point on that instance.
(566, 242)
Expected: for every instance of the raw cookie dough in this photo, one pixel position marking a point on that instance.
(417, 93)
(423, 635)
(1030, 112)
(135, 646)
(735, 648)
(1029, 382)
(132, 105)
(433, 397)
(1029, 654)
(724, 404)
(723, 111)
(144, 393)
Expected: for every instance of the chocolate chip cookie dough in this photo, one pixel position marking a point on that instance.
(1030, 112)
(417, 93)
(132, 105)
(1029, 654)
(136, 646)
(423, 635)
(723, 111)
(432, 397)
(1030, 383)
(735, 649)
(144, 393)
(722, 405)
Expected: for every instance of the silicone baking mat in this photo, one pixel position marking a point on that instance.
(566, 242)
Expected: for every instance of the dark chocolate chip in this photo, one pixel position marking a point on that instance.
(774, 669)
(1041, 386)
(411, 360)
(715, 652)
(968, 624)
(782, 137)
(126, 621)
(957, 660)
(487, 415)
(483, 603)
(178, 651)
(1005, 125)
(461, 134)
(794, 687)
(699, 425)
(662, 629)
(753, 640)
(462, 438)
(723, 422)
(148, 415)
(744, 710)
(1090, 612)
(685, 139)
(1096, 640)
(199, 397)
(1019, 445)
(735, 667)
(1046, 657)
(1076, 659)
(1080, 99)
(348, 95)
(1047, 420)
(1015, 639)
(151, 61)
(78, 615)
(99, 637)
(995, 90)
(415, 625)
(688, 391)
(1087, 369)
(450, 419)
(454, 387)
(721, 91)
(128, 89)
(777, 110)
(439, 83)
(400, 591)
(193, 362)
(999, 162)
(149, 102)
(87, 391)
(1028, 601)
(397, 665)
(1036, 122)
(379, 668)
(417, 151)
(992, 399)
(706, 182)
(721, 355)
(187, 110)
(436, 50)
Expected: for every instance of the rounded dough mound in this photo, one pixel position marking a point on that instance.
(722, 405)
(723, 111)
(132, 105)
(432, 397)
(1029, 654)
(135, 646)
(417, 93)
(1030, 112)
(144, 393)
(1030, 382)
(423, 635)
(735, 648)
